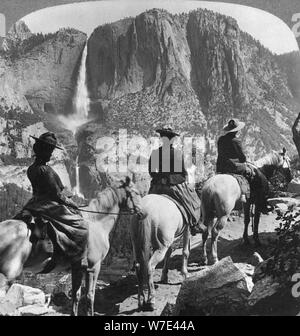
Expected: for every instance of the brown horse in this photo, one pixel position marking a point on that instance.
(17, 252)
(220, 194)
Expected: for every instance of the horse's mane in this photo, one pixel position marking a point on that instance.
(272, 159)
(105, 200)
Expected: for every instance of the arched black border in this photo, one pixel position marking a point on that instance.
(284, 9)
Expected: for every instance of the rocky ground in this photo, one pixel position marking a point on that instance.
(120, 296)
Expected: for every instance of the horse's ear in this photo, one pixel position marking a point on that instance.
(283, 150)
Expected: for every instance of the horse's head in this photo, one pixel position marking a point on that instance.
(132, 197)
(277, 164)
(284, 168)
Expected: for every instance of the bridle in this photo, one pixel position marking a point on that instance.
(124, 212)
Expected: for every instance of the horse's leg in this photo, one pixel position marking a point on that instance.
(164, 273)
(185, 252)
(255, 229)
(208, 224)
(156, 258)
(77, 274)
(214, 238)
(91, 281)
(247, 207)
(140, 279)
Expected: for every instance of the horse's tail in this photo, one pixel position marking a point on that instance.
(141, 239)
(207, 205)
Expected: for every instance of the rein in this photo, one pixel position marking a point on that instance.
(128, 213)
(106, 213)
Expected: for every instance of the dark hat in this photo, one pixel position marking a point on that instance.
(167, 131)
(234, 125)
(47, 138)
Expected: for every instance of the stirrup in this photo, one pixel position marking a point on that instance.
(243, 198)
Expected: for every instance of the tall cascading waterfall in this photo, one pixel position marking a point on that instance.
(81, 100)
(76, 189)
(81, 105)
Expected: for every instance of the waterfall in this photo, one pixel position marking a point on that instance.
(81, 104)
(76, 189)
(81, 100)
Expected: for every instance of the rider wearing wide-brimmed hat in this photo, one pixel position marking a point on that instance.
(51, 203)
(231, 159)
(169, 177)
(230, 151)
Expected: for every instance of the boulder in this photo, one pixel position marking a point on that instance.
(263, 289)
(271, 297)
(7, 308)
(281, 208)
(288, 201)
(168, 310)
(20, 295)
(52, 283)
(3, 286)
(222, 289)
(34, 310)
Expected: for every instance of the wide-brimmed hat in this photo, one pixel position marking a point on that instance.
(234, 125)
(167, 131)
(47, 138)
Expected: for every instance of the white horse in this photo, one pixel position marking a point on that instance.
(152, 237)
(17, 252)
(220, 194)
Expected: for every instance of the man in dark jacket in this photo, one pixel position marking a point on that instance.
(169, 177)
(231, 159)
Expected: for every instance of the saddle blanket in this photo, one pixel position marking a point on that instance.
(243, 183)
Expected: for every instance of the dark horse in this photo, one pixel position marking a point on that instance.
(17, 252)
(220, 194)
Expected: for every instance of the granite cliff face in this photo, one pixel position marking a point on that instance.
(193, 71)
(290, 64)
(43, 68)
(158, 67)
(37, 81)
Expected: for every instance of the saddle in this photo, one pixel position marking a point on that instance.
(38, 227)
(244, 185)
(245, 176)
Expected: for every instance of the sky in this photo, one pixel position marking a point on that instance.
(271, 31)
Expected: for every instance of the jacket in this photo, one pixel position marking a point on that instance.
(230, 154)
(167, 164)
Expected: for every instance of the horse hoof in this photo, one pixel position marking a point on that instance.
(184, 275)
(203, 262)
(164, 281)
(149, 306)
(214, 261)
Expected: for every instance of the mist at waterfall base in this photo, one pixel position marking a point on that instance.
(81, 104)
(81, 100)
